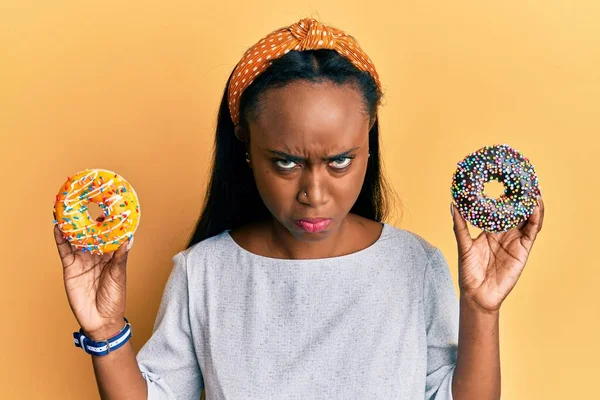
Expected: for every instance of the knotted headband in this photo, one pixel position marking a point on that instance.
(306, 34)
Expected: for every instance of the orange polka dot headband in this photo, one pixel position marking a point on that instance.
(306, 34)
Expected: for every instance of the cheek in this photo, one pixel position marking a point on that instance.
(347, 189)
(274, 191)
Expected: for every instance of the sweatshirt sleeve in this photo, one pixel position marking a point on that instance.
(167, 360)
(441, 318)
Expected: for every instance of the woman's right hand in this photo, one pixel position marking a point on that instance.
(95, 286)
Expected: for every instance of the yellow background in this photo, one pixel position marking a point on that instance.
(134, 86)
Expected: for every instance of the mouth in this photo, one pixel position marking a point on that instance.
(313, 225)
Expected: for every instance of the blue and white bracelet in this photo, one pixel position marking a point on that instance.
(103, 347)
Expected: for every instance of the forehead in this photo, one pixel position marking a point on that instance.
(303, 117)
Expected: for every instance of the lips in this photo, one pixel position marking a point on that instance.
(313, 225)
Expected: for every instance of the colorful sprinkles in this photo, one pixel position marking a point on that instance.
(113, 194)
(513, 170)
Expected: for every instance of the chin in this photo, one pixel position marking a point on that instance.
(312, 237)
(308, 235)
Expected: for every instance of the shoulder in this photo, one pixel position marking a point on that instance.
(426, 259)
(408, 248)
(213, 247)
(402, 241)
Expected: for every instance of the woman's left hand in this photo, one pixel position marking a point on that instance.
(490, 265)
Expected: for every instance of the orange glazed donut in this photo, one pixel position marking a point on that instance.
(116, 198)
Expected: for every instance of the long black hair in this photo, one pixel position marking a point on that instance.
(232, 198)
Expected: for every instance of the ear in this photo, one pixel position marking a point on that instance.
(241, 133)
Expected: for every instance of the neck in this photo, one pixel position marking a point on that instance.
(283, 244)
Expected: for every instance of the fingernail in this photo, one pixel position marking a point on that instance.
(452, 209)
(130, 244)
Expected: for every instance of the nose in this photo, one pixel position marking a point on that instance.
(314, 187)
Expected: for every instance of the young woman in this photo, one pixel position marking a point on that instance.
(291, 285)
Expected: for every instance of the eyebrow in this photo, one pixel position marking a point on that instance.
(297, 158)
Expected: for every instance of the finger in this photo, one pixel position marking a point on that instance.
(542, 209)
(532, 227)
(117, 267)
(120, 255)
(105, 258)
(130, 244)
(65, 251)
(461, 231)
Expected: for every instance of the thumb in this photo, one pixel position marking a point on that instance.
(120, 256)
(129, 244)
(461, 231)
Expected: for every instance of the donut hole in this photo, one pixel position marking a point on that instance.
(494, 189)
(95, 211)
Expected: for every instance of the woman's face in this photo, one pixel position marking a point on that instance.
(313, 138)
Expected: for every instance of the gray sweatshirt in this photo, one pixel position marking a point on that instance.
(380, 323)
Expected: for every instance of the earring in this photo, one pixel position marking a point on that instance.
(369, 155)
(247, 158)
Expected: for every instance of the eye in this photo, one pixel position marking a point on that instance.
(285, 164)
(341, 163)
